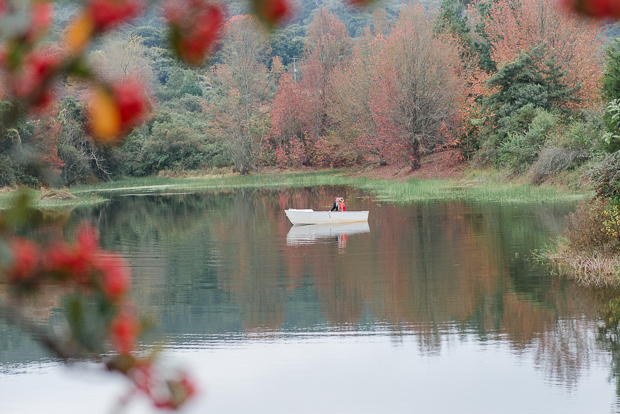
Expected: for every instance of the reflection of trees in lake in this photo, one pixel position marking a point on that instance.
(217, 262)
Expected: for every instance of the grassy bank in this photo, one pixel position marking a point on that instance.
(589, 250)
(413, 190)
(85, 199)
(482, 190)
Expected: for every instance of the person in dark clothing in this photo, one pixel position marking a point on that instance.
(335, 207)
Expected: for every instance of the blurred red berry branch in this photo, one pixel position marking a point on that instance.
(95, 285)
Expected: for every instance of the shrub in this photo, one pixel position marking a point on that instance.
(191, 103)
(610, 140)
(605, 176)
(521, 149)
(175, 148)
(554, 160)
(584, 133)
(593, 227)
(7, 171)
(190, 85)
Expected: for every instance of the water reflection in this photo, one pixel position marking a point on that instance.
(314, 233)
(223, 269)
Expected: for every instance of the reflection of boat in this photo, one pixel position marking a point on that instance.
(310, 234)
(309, 216)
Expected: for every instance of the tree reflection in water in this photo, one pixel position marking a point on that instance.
(218, 263)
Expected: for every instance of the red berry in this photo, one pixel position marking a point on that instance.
(26, 260)
(272, 12)
(195, 27)
(124, 330)
(114, 276)
(109, 13)
(42, 13)
(130, 98)
(594, 8)
(33, 81)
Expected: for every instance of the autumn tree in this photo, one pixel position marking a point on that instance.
(46, 164)
(327, 44)
(349, 101)
(121, 58)
(417, 88)
(245, 84)
(285, 120)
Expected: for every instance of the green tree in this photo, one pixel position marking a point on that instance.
(529, 80)
(610, 88)
(611, 75)
(482, 43)
(149, 36)
(452, 19)
(9, 137)
(190, 85)
(528, 83)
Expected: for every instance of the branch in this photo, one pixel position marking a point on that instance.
(12, 317)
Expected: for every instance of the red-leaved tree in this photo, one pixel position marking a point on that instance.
(327, 44)
(286, 129)
(349, 104)
(45, 140)
(417, 89)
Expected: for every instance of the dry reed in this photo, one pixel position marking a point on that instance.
(588, 269)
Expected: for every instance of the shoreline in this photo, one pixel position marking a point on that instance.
(475, 186)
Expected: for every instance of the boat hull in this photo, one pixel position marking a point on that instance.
(308, 216)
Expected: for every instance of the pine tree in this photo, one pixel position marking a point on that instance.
(453, 19)
(611, 74)
(529, 80)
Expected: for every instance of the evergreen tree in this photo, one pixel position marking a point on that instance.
(452, 19)
(610, 89)
(483, 46)
(529, 80)
(611, 74)
(526, 87)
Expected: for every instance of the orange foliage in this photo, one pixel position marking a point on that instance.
(45, 138)
(327, 43)
(515, 25)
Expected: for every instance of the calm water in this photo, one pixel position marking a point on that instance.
(431, 308)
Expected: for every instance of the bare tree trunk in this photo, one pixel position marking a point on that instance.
(415, 154)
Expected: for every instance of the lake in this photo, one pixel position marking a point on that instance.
(431, 308)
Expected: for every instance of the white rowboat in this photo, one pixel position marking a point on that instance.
(309, 216)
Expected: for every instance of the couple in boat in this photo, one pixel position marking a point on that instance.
(339, 204)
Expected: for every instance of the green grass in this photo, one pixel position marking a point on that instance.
(385, 190)
(445, 190)
(82, 200)
(483, 189)
(217, 182)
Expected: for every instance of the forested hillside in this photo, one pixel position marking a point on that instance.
(336, 86)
